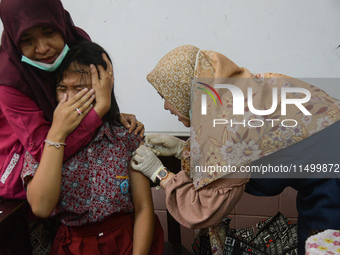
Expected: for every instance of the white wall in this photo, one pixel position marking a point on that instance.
(297, 38)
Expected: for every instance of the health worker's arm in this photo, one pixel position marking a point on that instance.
(206, 206)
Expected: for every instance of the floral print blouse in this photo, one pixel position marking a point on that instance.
(95, 181)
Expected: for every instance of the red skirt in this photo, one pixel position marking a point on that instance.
(112, 236)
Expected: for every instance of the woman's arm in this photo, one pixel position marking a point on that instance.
(191, 207)
(28, 123)
(143, 213)
(206, 206)
(43, 189)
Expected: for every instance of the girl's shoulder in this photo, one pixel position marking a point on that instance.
(122, 133)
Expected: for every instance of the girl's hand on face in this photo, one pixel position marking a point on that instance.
(70, 112)
(109, 68)
(103, 87)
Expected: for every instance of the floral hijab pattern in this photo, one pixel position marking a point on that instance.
(176, 78)
(173, 75)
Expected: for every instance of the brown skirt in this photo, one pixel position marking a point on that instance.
(112, 236)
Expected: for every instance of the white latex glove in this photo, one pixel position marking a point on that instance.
(165, 145)
(146, 162)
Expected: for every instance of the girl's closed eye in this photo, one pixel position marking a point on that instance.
(61, 89)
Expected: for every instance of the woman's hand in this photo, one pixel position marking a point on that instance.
(69, 113)
(165, 145)
(146, 162)
(103, 86)
(129, 121)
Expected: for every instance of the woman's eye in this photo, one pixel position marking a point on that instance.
(25, 40)
(48, 31)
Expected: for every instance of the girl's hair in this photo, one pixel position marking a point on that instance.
(77, 59)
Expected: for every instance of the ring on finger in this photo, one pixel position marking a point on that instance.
(78, 111)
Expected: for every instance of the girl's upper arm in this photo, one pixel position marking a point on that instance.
(140, 190)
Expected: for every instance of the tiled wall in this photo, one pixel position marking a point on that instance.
(187, 235)
(247, 212)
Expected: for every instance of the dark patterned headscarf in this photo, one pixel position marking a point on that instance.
(17, 17)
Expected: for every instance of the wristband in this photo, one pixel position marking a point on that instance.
(57, 145)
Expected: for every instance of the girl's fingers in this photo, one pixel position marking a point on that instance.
(87, 98)
(102, 72)
(86, 104)
(85, 111)
(78, 96)
(94, 76)
(63, 100)
(81, 97)
(77, 106)
(109, 68)
(106, 79)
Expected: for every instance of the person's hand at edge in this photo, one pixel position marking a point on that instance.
(130, 121)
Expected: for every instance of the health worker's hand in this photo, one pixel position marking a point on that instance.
(165, 145)
(146, 162)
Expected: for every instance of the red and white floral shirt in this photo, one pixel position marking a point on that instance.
(95, 181)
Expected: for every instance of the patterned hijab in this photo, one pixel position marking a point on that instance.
(18, 16)
(175, 77)
(172, 77)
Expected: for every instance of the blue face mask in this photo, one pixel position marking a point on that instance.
(47, 67)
